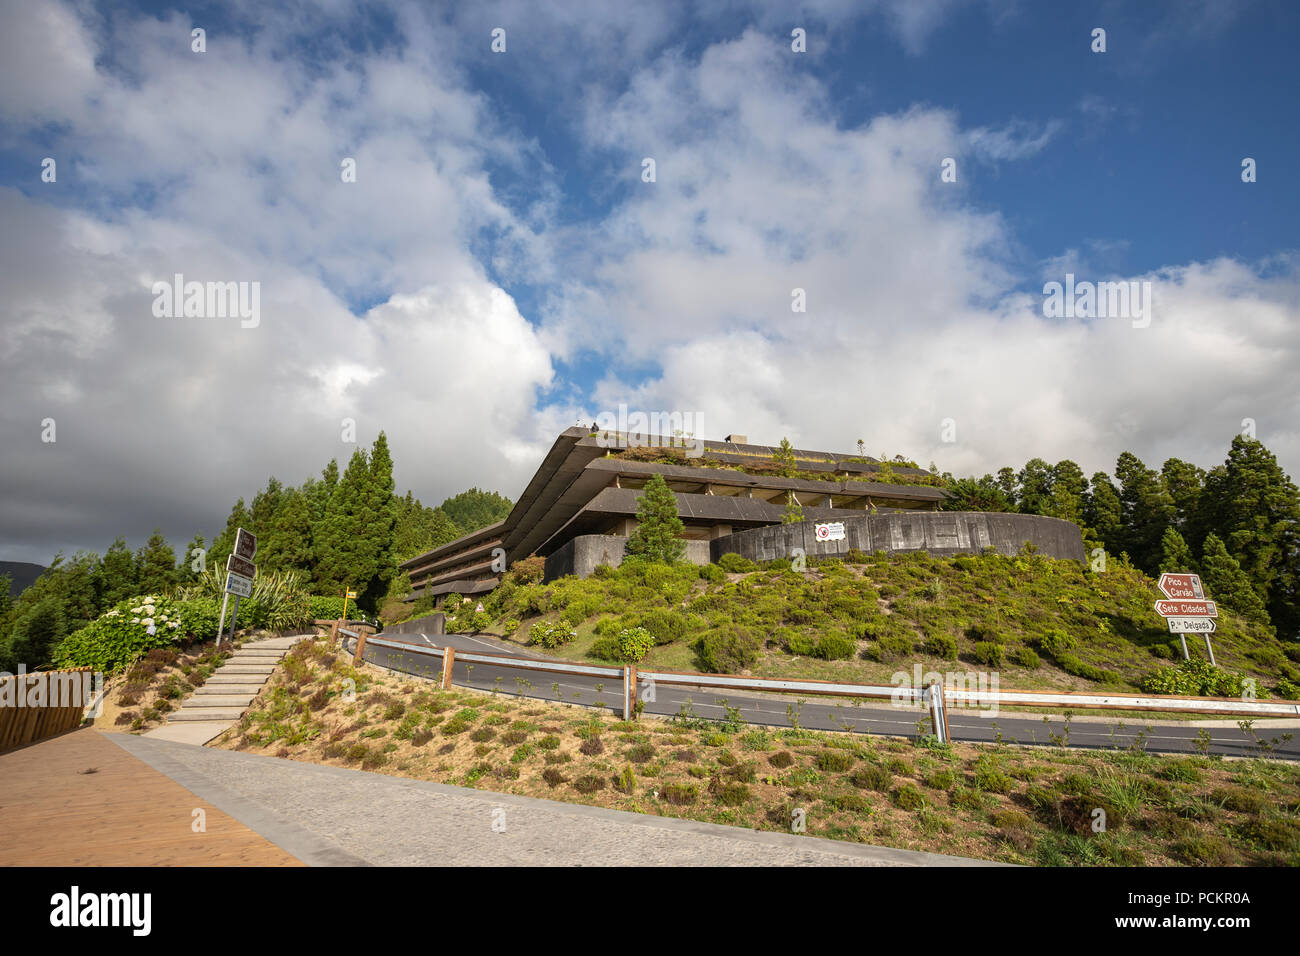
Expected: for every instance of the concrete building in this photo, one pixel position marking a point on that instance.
(580, 506)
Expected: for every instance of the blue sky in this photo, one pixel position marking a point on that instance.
(499, 269)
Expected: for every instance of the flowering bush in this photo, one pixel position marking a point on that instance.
(133, 626)
(551, 633)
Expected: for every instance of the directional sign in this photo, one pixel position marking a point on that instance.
(352, 594)
(1185, 587)
(238, 585)
(1187, 609)
(1191, 625)
(245, 545)
(241, 567)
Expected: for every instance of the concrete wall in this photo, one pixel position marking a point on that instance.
(429, 624)
(937, 532)
(581, 555)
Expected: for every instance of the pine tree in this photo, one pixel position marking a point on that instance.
(793, 513)
(185, 573)
(1145, 510)
(1007, 482)
(1254, 508)
(1101, 512)
(786, 465)
(1035, 481)
(155, 565)
(1183, 482)
(287, 544)
(474, 509)
(1177, 556)
(656, 537)
(224, 543)
(343, 552)
(381, 513)
(969, 494)
(265, 504)
(1069, 492)
(117, 575)
(1226, 583)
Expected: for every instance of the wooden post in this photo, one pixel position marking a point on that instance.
(361, 646)
(334, 632)
(448, 661)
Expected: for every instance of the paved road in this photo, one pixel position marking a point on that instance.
(1227, 738)
(329, 816)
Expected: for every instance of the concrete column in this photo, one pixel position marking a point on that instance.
(719, 531)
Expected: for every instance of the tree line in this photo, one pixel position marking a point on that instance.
(1238, 524)
(342, 529)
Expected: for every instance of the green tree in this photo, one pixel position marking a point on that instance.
(786, 465)
(35, 632)
(224, 543)
(657, 535)
(474, 509)
(343, 557)
(1227, 583)
(793, 513)
(1035, 481)
(1184, 481)
(262, 512)
(185, 573)
(970, 494)
(1069, 492)
(1010, 488)
(1177, 556)
(287, 544)
(1145, 510)
(155, 565)
(381, 516)
(1101, 512)
(420, 528)
(117, 579)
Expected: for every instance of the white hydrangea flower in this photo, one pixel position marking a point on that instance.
(149, 608)
(135, 620)
(148, 622)
(151, 630)
(174, 624)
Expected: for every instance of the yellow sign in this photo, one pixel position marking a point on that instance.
(352, 594)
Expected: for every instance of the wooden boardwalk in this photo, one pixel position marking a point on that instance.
(53, 812)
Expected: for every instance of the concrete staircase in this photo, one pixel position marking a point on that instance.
(225, 695)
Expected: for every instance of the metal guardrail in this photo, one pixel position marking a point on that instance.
(935, 697)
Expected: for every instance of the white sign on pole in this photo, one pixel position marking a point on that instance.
(1191, 625)
(238, 585)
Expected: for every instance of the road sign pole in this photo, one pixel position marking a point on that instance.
(233, 618)
(1181, 637)
(222, 625)
(345, 603)
(1209, 650)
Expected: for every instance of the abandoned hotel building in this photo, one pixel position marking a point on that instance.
(580, 507)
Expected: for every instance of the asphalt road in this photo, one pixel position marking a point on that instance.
(1226, 737)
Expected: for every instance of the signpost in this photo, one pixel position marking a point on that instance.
(347, 593)
(1187, 610)
(240, 571)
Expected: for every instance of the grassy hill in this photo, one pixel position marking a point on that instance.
(1041, 623)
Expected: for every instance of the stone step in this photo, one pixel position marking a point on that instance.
(211, 690)
(209, 701)
(257, 652)
(264, 669)
(207, 713)
(220, 678)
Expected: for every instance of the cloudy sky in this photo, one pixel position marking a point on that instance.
(500, 267)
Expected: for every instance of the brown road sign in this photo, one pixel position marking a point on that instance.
(237, 564)
(245, 545)
(1187, 609)
(1185, 587)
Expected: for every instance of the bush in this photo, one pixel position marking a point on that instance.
(324, 608)
(1056, 643)
(120, 635)
(725, 652)
(735, 564)
(986, 652)
(942, 645)
(551, 633)
(834, 761)
(891, 647)
(665, 626)
(633, 644)
(681, 794)
(1027, 658)
(713, 574)
(1194, 678)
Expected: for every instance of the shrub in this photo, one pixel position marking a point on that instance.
(988, 653)
(990, 778)
(1287, 690)
(873, 777)
(589, 783)
(713, 574)
(735, 564)
(1194, 678)
(663, 625)
(891, 647)
(941, 645)
(592, 746)
(121, 634)
(1056, 643)
(681, 794)
(634, 643)
(1027, 658)
(909, 797)
(781, 759)
(553, 777)
(551, 633)
(625, 782)
(834, 761)
(723, 652)
(729, 793)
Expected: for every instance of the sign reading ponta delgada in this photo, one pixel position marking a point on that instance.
(1187, 610)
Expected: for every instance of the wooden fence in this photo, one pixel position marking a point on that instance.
(41, 704)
